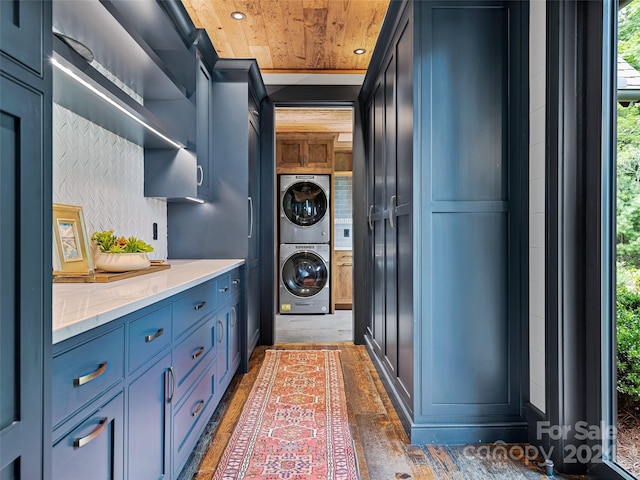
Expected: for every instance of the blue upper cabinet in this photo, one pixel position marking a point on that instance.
(22, 34)
(203, 136)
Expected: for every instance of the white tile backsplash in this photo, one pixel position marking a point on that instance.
(104, 173)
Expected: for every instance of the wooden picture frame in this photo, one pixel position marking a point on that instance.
(71, 253)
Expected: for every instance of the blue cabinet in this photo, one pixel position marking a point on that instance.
(93, 448)
(237, 155)
(22, 31)
(445, 223)
(155, 375)
(25, 253)
(148, 429)
(203, 123)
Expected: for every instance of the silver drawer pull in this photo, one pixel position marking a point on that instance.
(151, 338)
(224, 289)
(198, 353)
(200, 305)
(220, 332)
(198, 408)
(81, 442)
(235, 316)
(236, 281)
(172, 372)
(91, 376)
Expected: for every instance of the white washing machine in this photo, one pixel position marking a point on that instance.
(304, 278)
(304, 209)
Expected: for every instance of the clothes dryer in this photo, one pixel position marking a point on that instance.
(304, 278)
(304, 209)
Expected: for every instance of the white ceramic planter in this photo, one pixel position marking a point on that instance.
(121, 262)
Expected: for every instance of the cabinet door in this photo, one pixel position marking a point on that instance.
(289, 154)
(148, 427)
(234, 337)
(93, 449)
(23, 347)
(319, 155)
(390, 246)
(222, 348)
(378, 221)
(254, 192)
(203, 122)
(21, 32)
(403, 212)
(344, 282)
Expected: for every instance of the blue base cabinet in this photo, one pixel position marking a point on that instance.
(132, 397)
(149, 421)
(94, 446)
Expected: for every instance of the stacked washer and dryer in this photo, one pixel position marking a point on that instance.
(305, 254)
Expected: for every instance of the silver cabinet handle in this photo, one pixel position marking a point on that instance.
(78, 381)
(198, 353)
(198, 408)
(392, 202)
(223, 289)
(220, 332)
(81, 442)
(200, 305)
(151, 338)
(371, 217)
(173, 384)
(236, 281)
(235, 316)
(251, 217)
(200, 176)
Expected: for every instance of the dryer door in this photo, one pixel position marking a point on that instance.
(305, 203)
(304, 274)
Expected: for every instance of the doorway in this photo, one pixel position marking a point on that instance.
(314, 223)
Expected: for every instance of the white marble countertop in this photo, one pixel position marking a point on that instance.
(79, 307)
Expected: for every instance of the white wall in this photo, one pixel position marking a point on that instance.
(104, 173)
(537, 77)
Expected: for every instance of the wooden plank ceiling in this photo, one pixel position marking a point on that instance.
(317, 120)
(293, 36)
(334, 120)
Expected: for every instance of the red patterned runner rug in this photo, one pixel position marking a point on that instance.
(294, 425)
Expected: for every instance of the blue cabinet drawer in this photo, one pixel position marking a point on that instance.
(192, 355)
(224, 288)
(148, 335)
(191, 417)
(94, 448)
(196, 304)
(84, 372)
(236, 281)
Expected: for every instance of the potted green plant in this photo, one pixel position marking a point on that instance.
(119, 254)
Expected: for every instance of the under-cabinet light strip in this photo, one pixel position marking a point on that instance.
(87, 85)
(197, 200)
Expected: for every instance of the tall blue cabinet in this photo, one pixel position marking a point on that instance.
(443, 105)
(25, 239)
(230, 224)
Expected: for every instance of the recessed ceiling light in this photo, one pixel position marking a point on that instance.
(238, 16)
(359, 51)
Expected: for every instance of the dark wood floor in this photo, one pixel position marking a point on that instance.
(382, 446)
